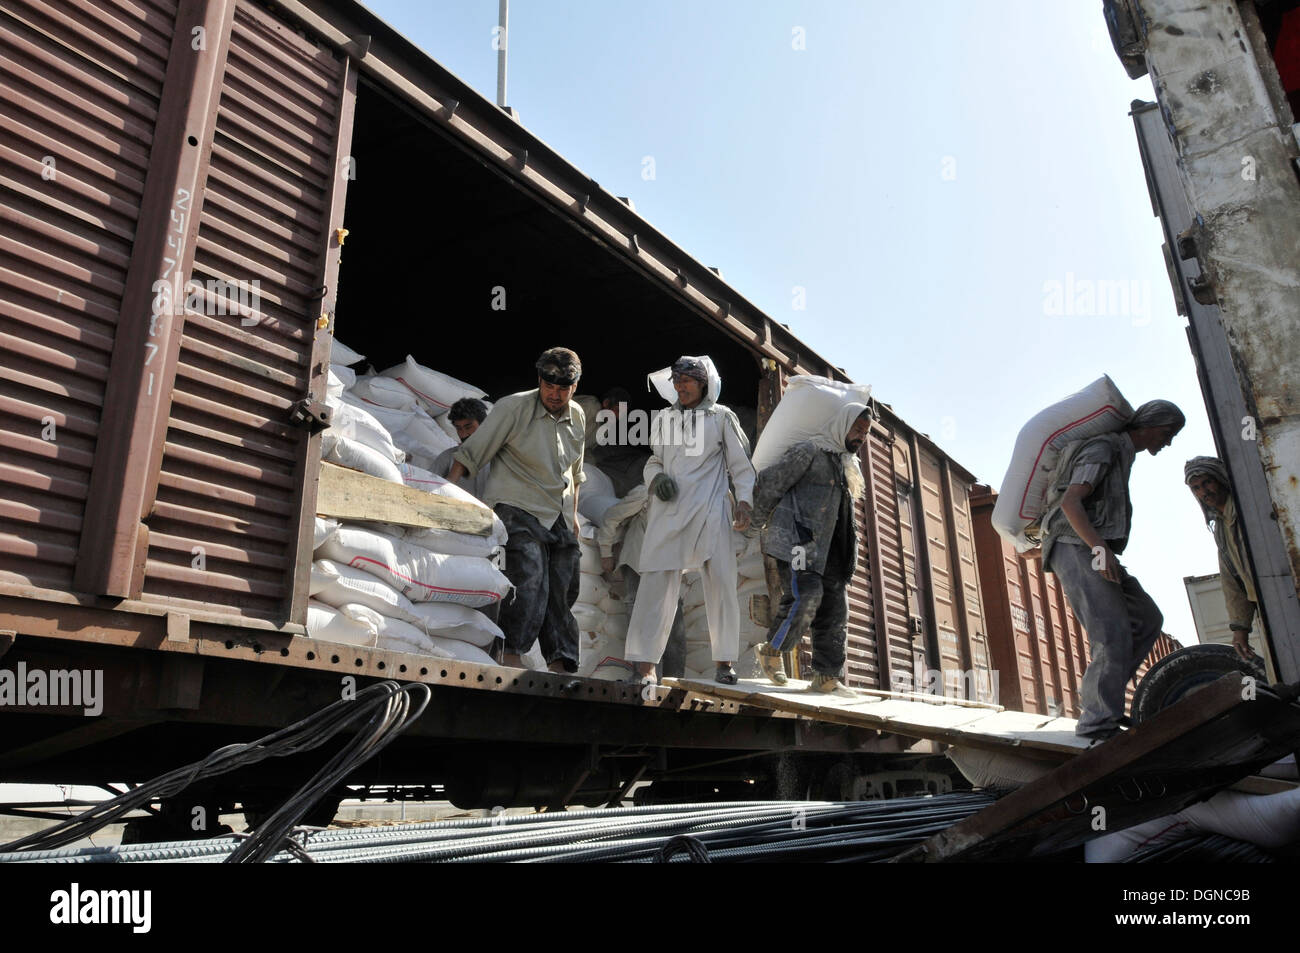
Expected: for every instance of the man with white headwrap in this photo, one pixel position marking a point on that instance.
(1086, 523)
(696, 446)
(1208, 479)
(804, 505)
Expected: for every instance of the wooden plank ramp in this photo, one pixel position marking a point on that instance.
(951, 721)
(351, 495)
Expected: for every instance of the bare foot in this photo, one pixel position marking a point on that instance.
(511, 660)
(558, 667)
(645, 669)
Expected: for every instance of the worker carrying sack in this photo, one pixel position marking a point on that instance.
(1098, 408)
(805, 407)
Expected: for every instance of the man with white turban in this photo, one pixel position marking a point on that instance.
(1085, 525)
(1208, 479)
(804, 504)
(697, 447)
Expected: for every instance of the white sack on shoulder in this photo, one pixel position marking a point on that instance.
(1098, 408)
(808, 403)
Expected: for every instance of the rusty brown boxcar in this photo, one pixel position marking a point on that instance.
(197, 194)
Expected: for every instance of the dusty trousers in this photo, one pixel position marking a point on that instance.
(656, 603)
(1122, 622)
(674, 660)
(817, 602)
(543, 567)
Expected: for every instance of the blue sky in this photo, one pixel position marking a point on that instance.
(925, 181)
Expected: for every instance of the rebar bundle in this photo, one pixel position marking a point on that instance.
(743, 831)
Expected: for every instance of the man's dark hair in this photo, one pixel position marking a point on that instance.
(615, 396)
(468, 408)
(559, 362)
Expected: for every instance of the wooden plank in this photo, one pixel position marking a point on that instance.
(352, 495)
(912, 715)
(1179, 756)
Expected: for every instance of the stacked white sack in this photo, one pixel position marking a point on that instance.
(435, 391)
(1098, 408)
(413, 430)
(355, 439)
(402, 588)
(362, 586)
(602, 616)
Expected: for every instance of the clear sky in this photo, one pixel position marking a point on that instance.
(929, 182)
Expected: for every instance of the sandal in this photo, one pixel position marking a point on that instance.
(725, 674)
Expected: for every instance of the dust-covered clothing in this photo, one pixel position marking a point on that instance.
(1122, 623)
(700, 449)
(1104, 462)
(704, 451)
(673, 662)
(542, 565)
(658, 599)
(817, 602)
(798, 503)
(1121, 620)
(1239, 594)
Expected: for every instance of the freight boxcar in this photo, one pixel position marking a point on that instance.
(161, 453)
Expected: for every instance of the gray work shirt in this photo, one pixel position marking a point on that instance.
(1104, 462)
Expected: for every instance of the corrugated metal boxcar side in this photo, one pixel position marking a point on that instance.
(188, 150)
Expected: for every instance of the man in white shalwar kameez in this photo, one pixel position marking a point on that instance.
(696, 445)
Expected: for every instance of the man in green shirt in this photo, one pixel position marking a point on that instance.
(534, 440)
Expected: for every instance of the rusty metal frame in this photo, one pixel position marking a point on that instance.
(883, 661)
(308, 474)
(956, 572)
(925, 575)
(1035, 643)
(137, 400)
(1225, 402)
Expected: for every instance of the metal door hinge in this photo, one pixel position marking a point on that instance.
(314, 415)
